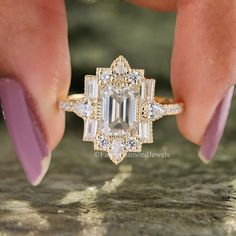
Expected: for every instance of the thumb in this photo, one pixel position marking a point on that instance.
(203, 71)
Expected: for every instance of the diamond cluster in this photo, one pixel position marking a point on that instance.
(118, 108)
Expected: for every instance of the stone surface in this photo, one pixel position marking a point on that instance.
(167, 192)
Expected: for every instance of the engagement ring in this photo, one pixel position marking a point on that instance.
(118, 108)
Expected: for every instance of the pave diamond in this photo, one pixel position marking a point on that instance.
(64, 105)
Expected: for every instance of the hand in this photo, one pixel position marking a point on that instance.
(35, 70)
(203, 68)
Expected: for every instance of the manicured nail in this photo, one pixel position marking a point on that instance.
(215, 128)
(25, 133)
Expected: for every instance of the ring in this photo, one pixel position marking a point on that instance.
(118, 107)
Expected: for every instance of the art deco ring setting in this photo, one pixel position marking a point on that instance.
(118, 107)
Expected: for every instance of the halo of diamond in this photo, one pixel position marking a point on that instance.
(118, 108)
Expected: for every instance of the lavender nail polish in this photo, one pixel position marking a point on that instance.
(26, 135)
(215, 128)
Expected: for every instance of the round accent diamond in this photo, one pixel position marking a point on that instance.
(134, 77)
(104, 143)
(105, 76)
(132, 143)
(64, 105)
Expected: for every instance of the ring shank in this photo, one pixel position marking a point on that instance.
(164, 100)
(161, 100)
(170, 106)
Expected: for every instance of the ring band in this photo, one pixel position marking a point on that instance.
(169, 106)
(118, 108)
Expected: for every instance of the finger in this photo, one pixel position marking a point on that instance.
(159, 5)
(203, 67)
(34, 51)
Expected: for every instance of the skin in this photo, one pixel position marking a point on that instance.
(34, 32)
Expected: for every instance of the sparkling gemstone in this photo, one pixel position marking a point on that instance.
(134, 76)
(132, 143)
(147, 89)
(119, 108)
(145, 132)
(90, 129)
(84, 109)
(105, 76)
(155, 111)
(64, 105)
(120, 68)
(117, 149)
(91, 87)
(104, 143)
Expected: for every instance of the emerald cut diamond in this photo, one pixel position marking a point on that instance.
(118, 109)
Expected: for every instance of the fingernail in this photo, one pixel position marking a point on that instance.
(215, 128)
(25, 133)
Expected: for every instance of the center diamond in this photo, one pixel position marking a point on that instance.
(119, 109)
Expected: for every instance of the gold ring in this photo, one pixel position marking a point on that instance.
(118, 108)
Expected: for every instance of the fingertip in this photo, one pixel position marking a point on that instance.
(203, 158)
(44, 168)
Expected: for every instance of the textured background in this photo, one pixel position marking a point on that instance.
(85, 194)
(99, 31)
